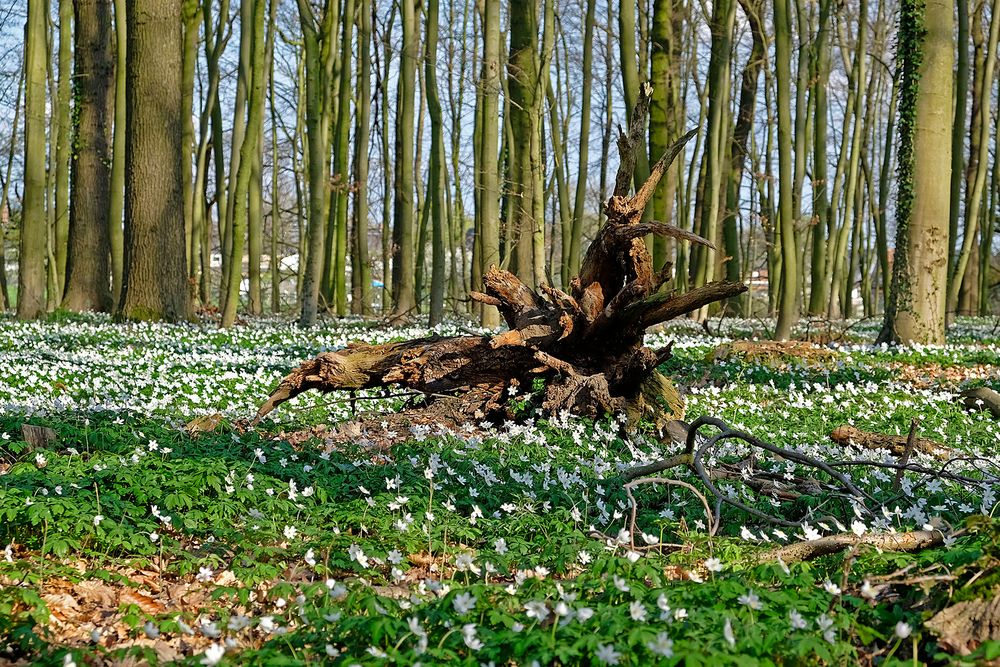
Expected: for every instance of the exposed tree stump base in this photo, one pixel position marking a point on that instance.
(962, 627)
(579, 351)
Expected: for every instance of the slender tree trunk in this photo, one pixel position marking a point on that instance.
(958, 129)
(277, 226)
(460, 260)
(840, 259)
(404, 292)
(5, 194)
(341, 168)
(986, 252)
(489, 196)
(316, 36)
(787, 307)
(255, 222)
(881, 232)
(723, 18)
(87, 286)
(31, 276)
(247, 170)
(819, 281)
(191, 24)
(738, 150)
(572, 256)
(64, 152)
(435, 173)
(387, 173)
(522, 82)
(360, 262)
(116, 206)
(222, 203)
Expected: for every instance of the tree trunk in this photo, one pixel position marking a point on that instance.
(572, 256)
(522, 82)
(116, 204)
(360, 268)
(978, 165)
(5, 194)
(958, 128)
(435, 173)
(819, 280)
(64, 153)
(31, 276)
(240, 202)
(87, 269)
(916, 308)
(318, 64)
(738, 150)
(155, 277)
(787, 308)
(714, 162)
(488, 217)
(403, 265)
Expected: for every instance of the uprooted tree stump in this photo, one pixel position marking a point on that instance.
(587, 345)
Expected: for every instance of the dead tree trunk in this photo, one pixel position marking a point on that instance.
(586, 346)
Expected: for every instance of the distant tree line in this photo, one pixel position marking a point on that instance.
(370, 157)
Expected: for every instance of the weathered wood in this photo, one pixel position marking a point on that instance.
(915, 540)
(981, 398)
(38, 436)
(851, 435)
(586, 345)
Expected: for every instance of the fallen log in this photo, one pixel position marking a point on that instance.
(914, 540)
(851, 435)
(981, 398)
(585, 345)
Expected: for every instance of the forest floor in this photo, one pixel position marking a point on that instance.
(131, 538)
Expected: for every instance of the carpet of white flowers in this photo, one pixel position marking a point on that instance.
(131, 538)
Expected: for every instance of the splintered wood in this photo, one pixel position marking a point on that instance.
(585, 344)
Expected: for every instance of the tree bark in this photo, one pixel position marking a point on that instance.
(788, 308)
(155, 276)
(916, 308)
(31, 276)
(87, 267)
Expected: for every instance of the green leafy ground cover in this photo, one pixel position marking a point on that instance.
(129, 538)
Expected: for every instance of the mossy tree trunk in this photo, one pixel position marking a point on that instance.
(87, 268)
(925, 55)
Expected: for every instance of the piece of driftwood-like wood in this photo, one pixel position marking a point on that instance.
(851, 435)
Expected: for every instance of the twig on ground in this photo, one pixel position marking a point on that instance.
(669, 482)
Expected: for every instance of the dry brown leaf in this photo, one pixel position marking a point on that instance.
(95, 591)
(61, 605)
(147, 604)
